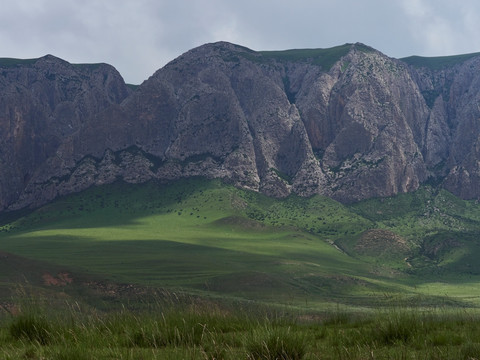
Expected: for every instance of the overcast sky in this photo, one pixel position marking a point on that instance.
(140, 36)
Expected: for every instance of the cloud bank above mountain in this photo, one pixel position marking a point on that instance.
(140, 37)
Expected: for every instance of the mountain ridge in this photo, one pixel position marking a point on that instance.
(346, 122)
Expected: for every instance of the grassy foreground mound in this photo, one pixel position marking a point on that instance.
(213, 333)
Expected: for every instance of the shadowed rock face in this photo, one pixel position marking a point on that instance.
(348, 122)
(43, 103)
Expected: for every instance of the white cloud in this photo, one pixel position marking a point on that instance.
(443, 27)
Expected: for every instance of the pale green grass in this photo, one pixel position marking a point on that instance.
(166, 250)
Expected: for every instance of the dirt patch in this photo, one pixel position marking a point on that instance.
(9, 308)
(114, 290)
(238, 203)
(62, 279)
(434, 249)
(238, 222)
(380, 242)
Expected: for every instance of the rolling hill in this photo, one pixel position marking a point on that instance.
(207, 238)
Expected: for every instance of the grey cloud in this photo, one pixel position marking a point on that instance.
(138, 37)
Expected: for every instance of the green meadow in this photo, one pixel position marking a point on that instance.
(206, 238)
(197, 236)
(198, 269)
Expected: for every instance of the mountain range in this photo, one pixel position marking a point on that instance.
(347, 122)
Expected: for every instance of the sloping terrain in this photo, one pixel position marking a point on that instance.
(210, 239)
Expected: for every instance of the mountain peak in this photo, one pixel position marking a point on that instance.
(337, 122)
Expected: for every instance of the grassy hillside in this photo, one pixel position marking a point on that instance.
(325, 58)
(206, 238)
(11, 62)
(438, 62)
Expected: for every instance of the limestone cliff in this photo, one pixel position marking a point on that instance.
(347, 122)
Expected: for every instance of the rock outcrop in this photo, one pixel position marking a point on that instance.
(43, 103)
(347, 122)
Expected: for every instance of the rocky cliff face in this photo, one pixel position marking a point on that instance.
(347, 122)
(452, 139)
(43, 102)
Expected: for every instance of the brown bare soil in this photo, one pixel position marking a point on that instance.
(380, 242)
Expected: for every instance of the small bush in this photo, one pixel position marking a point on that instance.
(338, 318)
(277, 344)
(172, 329)
(442, 339)
(34, 328)
(141, 338)
(396, 327)
(212, 350)
(30, 353)
(71, 354)
(470, 351)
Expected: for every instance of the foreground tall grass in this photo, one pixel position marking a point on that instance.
(213, 333)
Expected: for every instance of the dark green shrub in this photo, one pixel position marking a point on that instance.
(277, 344)
(214, 350)
(143, 339)
(173, 329)
(71, 354)
(32, 327)
(338, 318)
(396, 327)
(470, 351)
